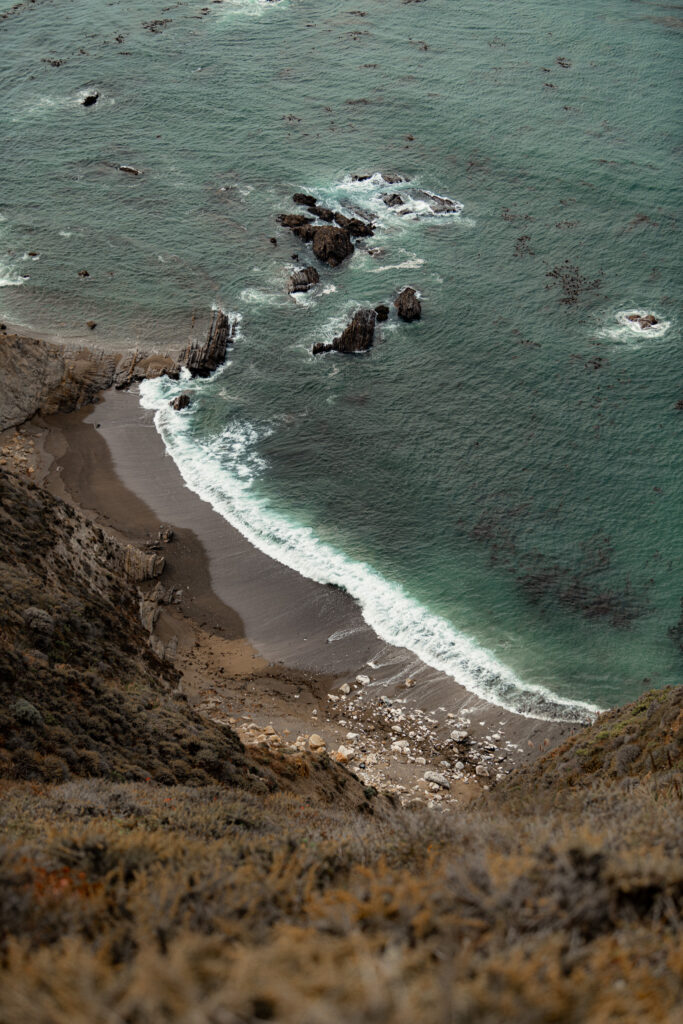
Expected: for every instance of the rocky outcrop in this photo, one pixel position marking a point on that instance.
(141, 565)
(358, 336)
(332, 245)
(303, 280)
(408, 305)
(354, 225)
(302, 199)
(382, 312)
(38, 376)
(644, 322)
(293, 220)
(393, 200)
(323, 213)
(204, 359)
(180, 402)
(90, 99)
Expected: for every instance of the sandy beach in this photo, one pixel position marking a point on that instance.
(261, 646)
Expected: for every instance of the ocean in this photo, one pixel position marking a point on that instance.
(499, 483)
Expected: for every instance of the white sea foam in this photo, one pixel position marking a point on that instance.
(9, 277)
(630, 333)
(366, 199)
(222, 470)
(260, 297)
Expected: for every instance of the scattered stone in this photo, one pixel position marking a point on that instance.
(345, 688)
(363, 680)
(483, 771)
(437, 779)
(316, 742)
(400, 747)
(408, 305)
(180, 401)
(347, 752)
(460, 735)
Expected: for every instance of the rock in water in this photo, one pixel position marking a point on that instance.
(332, 245)
(301, 199)
(408, 305)
(202, 360)
(393, 200)
(90, 99)
(293, 220)
(360, 333)
(354, 225)
(392, 178)
(382, 313)
(644, 322)
(303, 280)
(180, 401)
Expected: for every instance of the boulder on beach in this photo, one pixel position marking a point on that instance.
(180, 401)
(303, 280)
(332, 245)
(408, 305)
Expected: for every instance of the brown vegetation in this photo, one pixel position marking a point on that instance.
(152, 869)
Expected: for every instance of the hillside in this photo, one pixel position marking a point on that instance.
(153, 869)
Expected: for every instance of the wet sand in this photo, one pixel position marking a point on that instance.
(110, 461)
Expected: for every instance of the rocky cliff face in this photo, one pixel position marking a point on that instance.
(43, 377)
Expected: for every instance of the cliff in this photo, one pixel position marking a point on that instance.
(154, 869)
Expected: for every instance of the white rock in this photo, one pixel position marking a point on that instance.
(316, 742)
(459, 735)
(396, 728)
(459, 766)
(333, 697)
(420, 760)
(348, 752)
(437, 779)
(362, 680)
(400, 747)
(352, 735)
(482, 770)
(345, 688)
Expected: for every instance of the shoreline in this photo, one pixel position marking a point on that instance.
(110, 461)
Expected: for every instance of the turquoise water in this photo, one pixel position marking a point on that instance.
(499, 484)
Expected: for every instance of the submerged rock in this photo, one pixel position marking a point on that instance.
(128, 169)
(202, 359)
(332, 245)
(303, 280)
(408, 305)
(180, 401)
